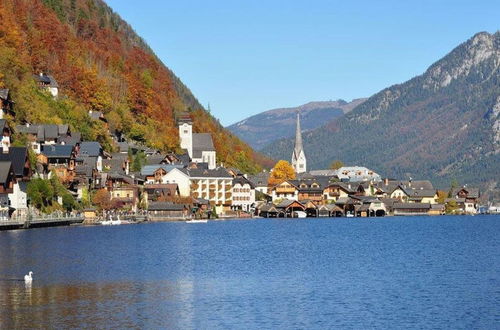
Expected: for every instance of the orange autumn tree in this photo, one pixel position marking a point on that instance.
(281, 171)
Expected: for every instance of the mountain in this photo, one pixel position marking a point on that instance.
(100, 64)
(266, 127)
(443, 124)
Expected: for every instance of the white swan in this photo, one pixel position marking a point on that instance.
(28, 278)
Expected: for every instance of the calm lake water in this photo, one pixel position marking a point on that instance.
(394, 272)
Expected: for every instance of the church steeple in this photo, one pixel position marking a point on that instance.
(299, 162)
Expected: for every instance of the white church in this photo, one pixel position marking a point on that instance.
(199, 146)
(299, 161)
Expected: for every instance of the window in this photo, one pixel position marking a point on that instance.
(186, 131)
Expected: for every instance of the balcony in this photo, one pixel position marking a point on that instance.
(285, 190)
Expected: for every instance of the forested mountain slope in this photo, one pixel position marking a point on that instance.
(443, 124)
(100, 64)
(269, 126)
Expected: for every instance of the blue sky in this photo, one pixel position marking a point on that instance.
(244, 57)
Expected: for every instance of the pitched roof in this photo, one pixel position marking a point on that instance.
(242, 181)
(412, 206)
(202, 142)
(421, 192)
(5, 168)
(151, 169)
(46, 80)
(16, 155)
(219, 172)
(57, 151)
(4, 93)
(90, 148)
(259, 179)
(165, 206)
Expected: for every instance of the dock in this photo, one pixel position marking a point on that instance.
(38, 222)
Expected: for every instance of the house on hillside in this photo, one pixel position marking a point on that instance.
(155, 192)
(48, 83)
(156, 173)
(311, 189)
(6, 133)
(94, 153)
(260, 182)
(6, 103)
(123, 190)
(357, 174)
(58, 158)
(285, 190)
(180, 177)
(470, 196)
(18, 156)
(43, 134)
(243, 194)
(336, 190)
(7, 177)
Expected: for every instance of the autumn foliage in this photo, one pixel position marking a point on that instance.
(282, 171)
(100, 64)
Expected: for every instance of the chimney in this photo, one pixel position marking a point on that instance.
(386, 181)
(409, 183)
(5, 144)
(41, 74)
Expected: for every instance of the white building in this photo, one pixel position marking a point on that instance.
(357, 174)
(181, 178)
(243, 194)
(299, 161)
(214, 185)
(199, 146)
(48, 83)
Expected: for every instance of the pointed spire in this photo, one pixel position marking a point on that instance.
(298, 137)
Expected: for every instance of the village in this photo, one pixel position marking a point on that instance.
(140, 182)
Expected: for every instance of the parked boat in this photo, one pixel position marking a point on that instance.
(197, 221)
(349, 215)
(299, 214)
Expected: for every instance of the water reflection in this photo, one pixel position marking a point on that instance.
(93, 305)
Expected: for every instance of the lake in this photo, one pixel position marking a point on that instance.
(392, 272)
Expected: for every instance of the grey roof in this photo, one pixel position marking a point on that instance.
(4, 93)
(57, 151)
(123, 147)
(90, 148)
(285, 203)
(116, 163)
(268, 208)
(154, 159)
(202, 142)
(471, 192)
(85, 170)
(219, 172)
(150, 169)
(420, 192)
(5, 167)
(27, 129)
(75, 138)
(96, 115)
(165, 206)
(16, 155)
(411, 206)
(242, 180)
(46, 80)
(260, 179)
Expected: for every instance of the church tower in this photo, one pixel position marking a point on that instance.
(299, 162)
(186, 133)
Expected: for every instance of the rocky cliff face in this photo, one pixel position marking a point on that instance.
(269, 126)
(442, 124)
